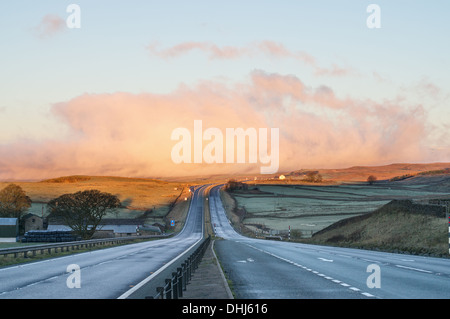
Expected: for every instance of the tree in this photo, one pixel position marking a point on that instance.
(313, 177)
(233, 185)
(371, 179)
(13, 201)
(83, 211)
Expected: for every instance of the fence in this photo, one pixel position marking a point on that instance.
(70, 245)
(177, 283)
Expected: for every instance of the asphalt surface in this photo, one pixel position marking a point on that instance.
(265, 269)
(103, 274)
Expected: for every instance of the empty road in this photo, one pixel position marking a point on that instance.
(107, 273)
(263, 269)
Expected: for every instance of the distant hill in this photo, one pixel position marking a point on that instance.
(399, 226)
(85, 178)
(67, 179)
(385, 172)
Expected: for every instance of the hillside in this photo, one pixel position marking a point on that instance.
(399, 226)
(137, 195)
(385, 172)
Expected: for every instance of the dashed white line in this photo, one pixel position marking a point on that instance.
(316, 272)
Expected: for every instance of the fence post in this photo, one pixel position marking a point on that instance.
(175, 285)
(189, 261)
(168, 289)
(184, 275)
(180, 281)
(160, 292)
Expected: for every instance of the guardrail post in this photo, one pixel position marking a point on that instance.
(175, 285)
(160, 292)
(188, 271)
(180, 281)
(168, 290)
(183, 276)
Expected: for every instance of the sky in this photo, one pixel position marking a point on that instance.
(101, 92)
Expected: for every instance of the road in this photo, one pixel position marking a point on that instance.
(263, 269)
(108, 273)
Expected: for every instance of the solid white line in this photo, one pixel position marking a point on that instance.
(227, 288)
(416, 269)
(146, 280)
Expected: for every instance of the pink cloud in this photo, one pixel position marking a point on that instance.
(266, 48)
(214, 52)
(49, 26)
(129, 134)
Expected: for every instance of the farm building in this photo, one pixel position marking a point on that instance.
(113, 228)
(9, 229)
(33, 222)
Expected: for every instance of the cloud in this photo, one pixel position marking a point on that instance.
(130, 134)
(215, 52)
(49, 26)
(266, 48)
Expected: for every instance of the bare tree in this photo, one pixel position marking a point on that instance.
(83, 211)
(371, 179)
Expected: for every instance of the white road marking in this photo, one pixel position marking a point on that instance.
(416, 269)
(314, 271)
(371, 261)
(326, 260)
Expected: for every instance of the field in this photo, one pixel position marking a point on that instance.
(400, 226)
(154, 198)
(308, 208)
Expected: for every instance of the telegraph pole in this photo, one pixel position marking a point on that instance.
(447, 215)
